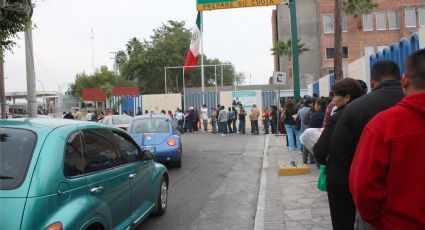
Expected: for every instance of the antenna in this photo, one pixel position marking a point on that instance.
(92, 49)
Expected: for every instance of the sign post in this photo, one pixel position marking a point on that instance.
(203, 5)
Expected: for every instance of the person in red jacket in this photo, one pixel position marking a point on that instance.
(387, 175)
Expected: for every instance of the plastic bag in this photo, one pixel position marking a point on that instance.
(310, 136)
(321, 184)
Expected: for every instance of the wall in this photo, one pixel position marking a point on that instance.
(356, 39)
(360, 68)
(159, 102)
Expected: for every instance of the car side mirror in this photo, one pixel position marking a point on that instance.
(147, 155)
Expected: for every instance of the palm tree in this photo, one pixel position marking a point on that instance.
(354, 8)
(285, 48)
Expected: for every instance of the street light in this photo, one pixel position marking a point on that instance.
(44, 99)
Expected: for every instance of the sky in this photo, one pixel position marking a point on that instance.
(63, 47)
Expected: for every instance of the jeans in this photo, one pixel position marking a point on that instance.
(290, 131)
(229, 124)
(274, 126)
(242, 126)
(266, 126)
(254, 128)
(214, 125)
(223, 127)
(205, 124)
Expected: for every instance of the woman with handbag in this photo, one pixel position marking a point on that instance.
(340, 201)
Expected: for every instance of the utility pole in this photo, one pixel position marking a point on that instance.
(2, 90)
(338, 41)
(294, 43)
(32, 99)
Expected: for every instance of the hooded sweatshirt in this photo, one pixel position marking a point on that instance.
(387, 174)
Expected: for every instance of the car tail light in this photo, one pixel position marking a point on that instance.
(55, 226)
(171, 142)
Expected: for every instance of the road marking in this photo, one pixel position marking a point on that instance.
(261, 203)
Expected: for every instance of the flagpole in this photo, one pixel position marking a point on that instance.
(202, 58)
(184, 93)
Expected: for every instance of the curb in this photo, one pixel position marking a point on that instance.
(261, 203)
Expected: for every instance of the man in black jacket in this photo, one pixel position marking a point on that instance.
(386, 92)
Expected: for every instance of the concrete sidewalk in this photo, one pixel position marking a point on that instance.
(289, 202)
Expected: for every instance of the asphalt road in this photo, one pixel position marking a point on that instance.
(217, 186)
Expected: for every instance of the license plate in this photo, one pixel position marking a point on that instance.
(150, 148)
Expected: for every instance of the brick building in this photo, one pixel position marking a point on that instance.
(388, 23)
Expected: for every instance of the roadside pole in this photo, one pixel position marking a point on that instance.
(294, 43)
(31, 95)
(216, 87)
(165, 80)
(2, 88)
(202, 58)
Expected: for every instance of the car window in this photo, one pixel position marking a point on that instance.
(16, 149)
(121, 120)
(150, 125)
(99, 153)
(128, 149)
(73, 162)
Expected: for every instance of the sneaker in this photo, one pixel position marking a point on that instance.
(223, 135)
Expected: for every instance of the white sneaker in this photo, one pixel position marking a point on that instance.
(223, 135)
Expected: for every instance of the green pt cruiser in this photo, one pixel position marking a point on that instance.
(65, 174)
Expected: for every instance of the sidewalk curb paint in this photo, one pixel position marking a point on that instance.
(261, 203)
(285, 171)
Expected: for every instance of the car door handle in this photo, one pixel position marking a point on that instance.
(96, 190)
(132, 176)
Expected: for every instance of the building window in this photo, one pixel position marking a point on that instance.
(369, 50)
(421, 12)
(330, 52)
(367, 22)
(328, 23)
(381, 22)
(410, 17)
(393, 20)
(344, 22)
(345, 52)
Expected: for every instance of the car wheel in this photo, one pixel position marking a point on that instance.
(162, 198)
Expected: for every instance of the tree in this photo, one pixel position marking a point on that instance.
(145, 61)
(14, 17)
(285, 48)
(351, 7)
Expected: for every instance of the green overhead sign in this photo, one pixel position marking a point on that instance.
(229, 4)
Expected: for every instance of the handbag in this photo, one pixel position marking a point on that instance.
(321, 184)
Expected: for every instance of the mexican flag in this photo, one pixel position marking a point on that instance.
(195, 41)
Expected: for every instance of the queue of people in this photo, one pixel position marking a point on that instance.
(372, 145)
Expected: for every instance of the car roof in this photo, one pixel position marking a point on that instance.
(157, 116)
(117, 116)
(34, 123)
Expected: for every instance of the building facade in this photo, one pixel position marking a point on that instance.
(308, 33)
(368, 33)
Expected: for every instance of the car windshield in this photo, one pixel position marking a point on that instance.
(121, 120)
(16, 148)
(150, 125)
